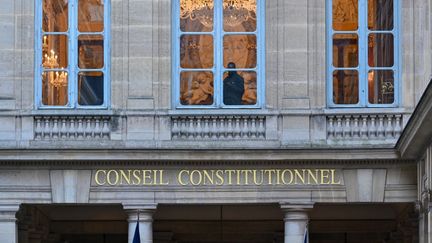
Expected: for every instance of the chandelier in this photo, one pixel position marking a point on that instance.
(235, 11)
(50, 61)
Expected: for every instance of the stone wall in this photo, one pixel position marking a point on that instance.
(295, 114)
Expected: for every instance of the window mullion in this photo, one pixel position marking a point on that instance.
(218, 35)
(107, 54)
(39, 54)
(363, 52)
(72, 55)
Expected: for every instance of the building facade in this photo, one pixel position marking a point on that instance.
(215, 121)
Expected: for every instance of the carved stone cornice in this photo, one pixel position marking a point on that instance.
(417, 133)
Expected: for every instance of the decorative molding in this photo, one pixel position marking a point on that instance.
(72, 127)
(249, 127)
(307, 163)
(364, 126)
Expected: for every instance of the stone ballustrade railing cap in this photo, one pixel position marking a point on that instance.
(214, 127)
(72, 127)
(364, 126)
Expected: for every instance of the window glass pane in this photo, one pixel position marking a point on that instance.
(196, 51)
(381, 86)
(381, 52)
(380, 14)
(345, 15)
(55, 15)
(240, 50)
(90, 51)
(345, 50)
(196, 15)
(90, 88)
(196, 88)
(345, 87)
(55, 88)
(90, 15)
(239, 16)
(239, 88)
(54, 51)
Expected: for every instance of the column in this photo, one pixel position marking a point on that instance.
(145, 216)
(8, 224)
(296, 219)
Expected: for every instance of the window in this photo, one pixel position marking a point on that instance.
(363, 49)
(72, 58)
(218, 53)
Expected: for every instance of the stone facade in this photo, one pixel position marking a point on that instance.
(50, 156)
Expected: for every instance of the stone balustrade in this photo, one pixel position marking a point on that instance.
(72, 127)
(218, 127)
(364, 126)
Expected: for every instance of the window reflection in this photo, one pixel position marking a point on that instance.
(196, 88)
(55, 57)
(90, 51)
(345, 50)
(239, 16)
(200, 70)
(90, 15)
(54, 88)
(55, 15)
(90, 88)
(240, 50)
(380, 14)
(345, 87)
(381, 86)
(239, 88)
(345, 15)
(196, 51)
(196, 16)
(381, 53)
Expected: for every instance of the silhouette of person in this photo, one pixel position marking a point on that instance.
(233, 87)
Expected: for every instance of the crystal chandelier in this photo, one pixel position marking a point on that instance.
(235, 11)
(57, 79)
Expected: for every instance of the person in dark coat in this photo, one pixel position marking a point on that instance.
(233, 87)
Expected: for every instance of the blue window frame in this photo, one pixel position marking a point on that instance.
(218, 54)
(72, 59)
(363, 57)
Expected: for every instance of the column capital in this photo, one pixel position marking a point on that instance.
(8, 212)
(296, 211)
(296, 207)
(142, 211)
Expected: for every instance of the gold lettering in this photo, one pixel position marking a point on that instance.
(270, 178)
(208, 177)
(97, 177)
(246, 175)
(238, 177)
(298, 175)
(136, 177)
(278, 177)
(179, 177)
(255, 177)
(311, 175)
(126, 177)
(161, 178)
(325, 174)
(333, 175)
(195, 183)
(147, 177)
(219, 176)
(229, 176)
(154, 177)
(116, 176)
(291, 176)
